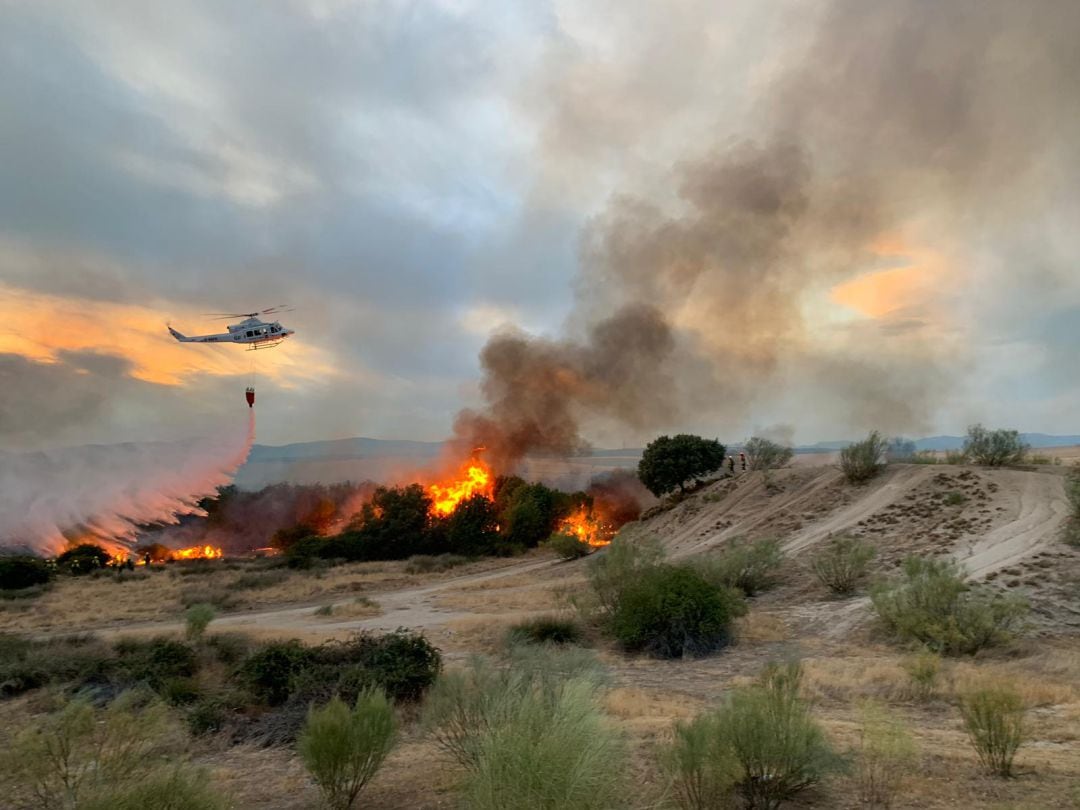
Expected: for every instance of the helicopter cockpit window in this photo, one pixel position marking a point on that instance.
(250, 333)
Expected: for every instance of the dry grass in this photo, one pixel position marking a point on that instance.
(757, 627)
(495, 600)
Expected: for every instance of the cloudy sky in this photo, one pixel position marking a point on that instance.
(850, 218)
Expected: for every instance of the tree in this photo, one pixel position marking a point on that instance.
(530, 515)
(994, 448)
(670, 461)
(395, 523)
(473, 527)
(763, 454)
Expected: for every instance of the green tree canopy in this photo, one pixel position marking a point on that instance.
(670, 461)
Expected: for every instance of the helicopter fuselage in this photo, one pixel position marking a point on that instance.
(253, 332)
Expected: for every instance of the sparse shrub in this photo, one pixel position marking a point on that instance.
(670, 461)
(26, 664)
(901, 449)
(426, 563)
(545, 630)
(17, 573)
(957, 458)
(842, 564)
(747, 566)
(701, 764)
(568, 546)
(179, 691)
(83, 559)
(931, 603)
(954, 498)
(994, 720)
(344, 749)
(668, 611)
(175, 789)
(922, 670)
(616, 566)
(324, 610)
(924, 457)
(270, 669)
(763, 454)
(863, 460)
(207, 715)
(197, 619)
(229, 648)
(778, 744)
(552, 747)
(885, 755)
(221, 597)
(80, 752)
(994, 448)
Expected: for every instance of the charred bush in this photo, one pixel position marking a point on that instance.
(156, 662)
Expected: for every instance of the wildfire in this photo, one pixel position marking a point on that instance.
(586, 526)
(474, 479)
(198, 553)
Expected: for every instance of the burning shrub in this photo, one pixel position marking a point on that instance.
(932, 603)
(669, 611)
(343, 749)
(863, 460)
(994, 448)
(670, 461)
(83, 559)
(568, 546)
(747, 566)
(18, 573)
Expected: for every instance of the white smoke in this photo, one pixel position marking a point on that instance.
(105, 492)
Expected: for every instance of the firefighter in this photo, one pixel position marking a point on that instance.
(742, 461)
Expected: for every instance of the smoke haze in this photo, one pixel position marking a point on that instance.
(901, 124)
(103, 493)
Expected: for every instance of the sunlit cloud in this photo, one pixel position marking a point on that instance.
(40, 326)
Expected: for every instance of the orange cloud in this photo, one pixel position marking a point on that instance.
(877, 293)
(40, 326)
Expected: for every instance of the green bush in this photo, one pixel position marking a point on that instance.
(701, 764)
(842, 564)
(616, 566)
(402, 663)
(175, 789)
(197, 619)
(568, 546)
(551, 748)
(863, 460)
(426, 563)
(994, 448)
(780, 747)
(955, 499)
(763, 454)
(83, 559)
(79, 752)
(668, 611)
(154, 662)
(26, 664)
(886, 754)
(669, 462)
(545, 630)
(207, 715)
(931, 603)
(957, 458)
(269, 671)
(994, 721)
(344, 749)
(746, 566)
(17, 573)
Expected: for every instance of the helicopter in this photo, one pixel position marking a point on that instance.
(253, 332)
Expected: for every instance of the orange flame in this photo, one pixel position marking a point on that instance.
(474, 479)
(586, 526)
(198, 553)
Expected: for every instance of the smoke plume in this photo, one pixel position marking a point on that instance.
(941, 121)
(104, 493)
